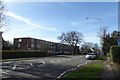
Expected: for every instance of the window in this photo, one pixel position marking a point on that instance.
(32, 45)
(32, 40)
(38, 46)
(18, 45)
(20, 40)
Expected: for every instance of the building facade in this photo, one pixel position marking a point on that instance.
(42, 45)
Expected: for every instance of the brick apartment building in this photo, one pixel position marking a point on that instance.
(28, 43)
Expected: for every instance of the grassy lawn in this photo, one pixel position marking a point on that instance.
(87, 72)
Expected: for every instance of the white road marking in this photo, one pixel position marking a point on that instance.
(41, 64)
(63, 59)
(31, 64)
(86, 62)
(3, 71)
(54, 61)
(68, 59)
(20, 68)
(21, 74)
(14, 67)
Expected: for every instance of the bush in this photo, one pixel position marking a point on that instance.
(115, 54)
(12, 54)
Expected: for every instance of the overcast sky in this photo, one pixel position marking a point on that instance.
(47, 20)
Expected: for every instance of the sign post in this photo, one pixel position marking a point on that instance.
(118, 41)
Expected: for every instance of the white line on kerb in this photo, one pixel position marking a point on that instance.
(79, 65)
(70, 70)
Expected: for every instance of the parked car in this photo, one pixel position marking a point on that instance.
(91, 56)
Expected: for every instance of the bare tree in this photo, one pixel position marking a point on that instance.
(87, 46)
(102, 33)
(3, 16)
(72, 38)
(3, 19)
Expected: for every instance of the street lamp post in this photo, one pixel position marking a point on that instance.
(99, 19)
(93, 18)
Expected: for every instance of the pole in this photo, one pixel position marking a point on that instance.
(118, 40)
(1, 45)
(0, 40)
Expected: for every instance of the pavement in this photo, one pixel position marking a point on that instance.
(109, 72)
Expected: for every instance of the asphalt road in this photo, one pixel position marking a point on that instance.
(45, 67)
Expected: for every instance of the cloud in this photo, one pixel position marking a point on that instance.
(28, 21)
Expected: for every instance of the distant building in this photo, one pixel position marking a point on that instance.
(28, 43)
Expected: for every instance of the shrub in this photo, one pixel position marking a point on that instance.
(115, 54)
(11, 54)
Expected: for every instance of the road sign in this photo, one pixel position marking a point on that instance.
(118, 42)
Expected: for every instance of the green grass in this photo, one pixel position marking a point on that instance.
(88, 72)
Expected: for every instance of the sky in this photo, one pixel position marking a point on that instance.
(47, 20)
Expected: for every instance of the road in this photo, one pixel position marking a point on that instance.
(45, 67)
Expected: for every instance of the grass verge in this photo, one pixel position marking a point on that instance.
(88, 72)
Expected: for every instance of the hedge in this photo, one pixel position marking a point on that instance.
(12, 54)
(115, 54)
